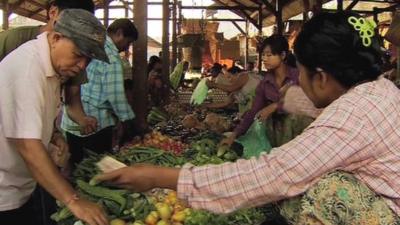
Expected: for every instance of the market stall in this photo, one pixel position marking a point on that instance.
(183, 129)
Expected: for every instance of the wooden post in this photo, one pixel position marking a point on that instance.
(179, 32)
(106, 13)
(398, 63)
(376, 18)
(279, 20)
(260, 25)
(139, 75)
(317, 7)
(174, 36)
(165, 48)
(6, 14)
(340, 5)
(126, 11)
(246, 53)
(306, 4)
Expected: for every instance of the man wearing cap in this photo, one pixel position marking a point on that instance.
(29, 101)
(103, 97)
(13, 38)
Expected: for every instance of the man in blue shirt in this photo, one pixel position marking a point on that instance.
(103, 97)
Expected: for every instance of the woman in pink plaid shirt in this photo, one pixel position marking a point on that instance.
(343, 169)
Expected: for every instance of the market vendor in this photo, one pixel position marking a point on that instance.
(29, 102)
(343, 169)
(241, 90)
(104, 95)
(218, 76)
(280, 75)
(156, 85)
(13, 38)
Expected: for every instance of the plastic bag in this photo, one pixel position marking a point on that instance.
(176, 75)
(255, 141)
(199, 93)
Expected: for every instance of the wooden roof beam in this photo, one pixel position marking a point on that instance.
(269, 6)
(221, 7)
(241, 13)
(35, 12)
(352, 4)
(16, 4)
(238, 27)
(248, 16)
(37, 4)
(22, 11)
(126, 5)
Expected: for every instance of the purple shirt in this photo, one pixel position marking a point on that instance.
(267, 92)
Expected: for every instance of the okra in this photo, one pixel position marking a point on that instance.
(101, 192)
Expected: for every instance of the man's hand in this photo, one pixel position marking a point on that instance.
(44, 171)
(88, 125)
(88, 212)
(61, 144)
(141, 178)
(59, 150)
(266, 112)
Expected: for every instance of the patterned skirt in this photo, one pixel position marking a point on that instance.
(284, 128)
(338, 199)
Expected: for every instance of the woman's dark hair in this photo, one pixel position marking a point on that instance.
(278, 45)
(87, 5)
(127, 27)
(234, 70)
(153, 60)
(328, 41)
(73, 4)
(216, 69)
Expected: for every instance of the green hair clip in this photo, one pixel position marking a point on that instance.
(365, 27)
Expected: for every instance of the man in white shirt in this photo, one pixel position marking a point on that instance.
(30, 87)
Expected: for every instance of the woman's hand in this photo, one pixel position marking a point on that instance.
(229, 140)
(88, 125)
(141, 178)
(266, 112)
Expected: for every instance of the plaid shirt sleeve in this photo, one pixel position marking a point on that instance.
(114, 84)
(336, 138)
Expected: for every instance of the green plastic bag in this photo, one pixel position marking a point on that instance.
(199, 93)
(176, 75)
(255, 141)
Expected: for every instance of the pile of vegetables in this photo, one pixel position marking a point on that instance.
(242, 217)
(207, 151)
(157, 115)
(169, 210)
(160, 207)
(212, 122)
(157, 140)
(175, 129)
(119, 204)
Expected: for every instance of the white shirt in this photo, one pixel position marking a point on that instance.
(29, 98)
